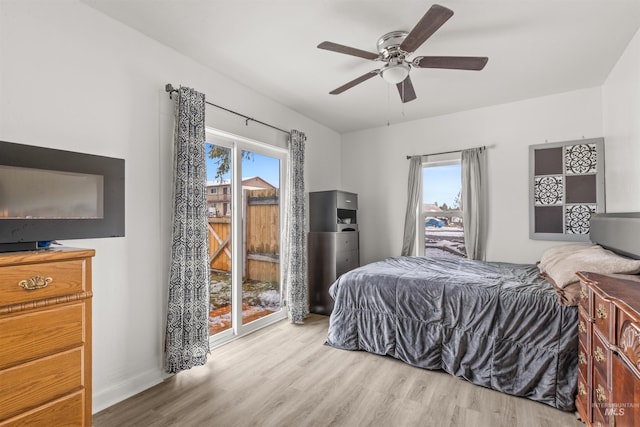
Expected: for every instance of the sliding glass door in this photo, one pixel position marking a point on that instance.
(219, 200)
(244, 197)
(261, 294)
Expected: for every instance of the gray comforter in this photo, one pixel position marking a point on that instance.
(497, 325)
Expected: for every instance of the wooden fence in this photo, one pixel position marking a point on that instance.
(260, 237)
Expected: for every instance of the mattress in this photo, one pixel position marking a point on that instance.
(497, 325)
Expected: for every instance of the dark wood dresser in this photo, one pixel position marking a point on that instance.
(609, 350)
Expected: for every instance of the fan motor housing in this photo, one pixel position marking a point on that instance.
(389, 44)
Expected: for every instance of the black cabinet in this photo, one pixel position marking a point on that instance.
(333, 243)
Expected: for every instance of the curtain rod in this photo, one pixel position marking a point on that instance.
(484, 147)
(170, 89)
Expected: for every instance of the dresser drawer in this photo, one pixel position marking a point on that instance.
(584, 328)
(346, 261)
(346, 241)
(601, 356)
(582, 398)
(601, 395)
(346, 200)
(602, 315)
(53, 279)
(67, 411)
(583, 362)
(27, 386)
(36, 334)
(584, 297)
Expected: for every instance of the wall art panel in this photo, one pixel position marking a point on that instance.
(566, 187)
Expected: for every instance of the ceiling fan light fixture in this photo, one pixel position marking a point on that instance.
(395, 73)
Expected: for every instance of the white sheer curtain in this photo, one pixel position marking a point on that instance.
(414, 191)
(474, 202)
(295, 236)
(187, 334)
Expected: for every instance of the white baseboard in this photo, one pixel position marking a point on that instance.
(102, 399)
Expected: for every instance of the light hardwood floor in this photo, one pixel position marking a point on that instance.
(283, 375)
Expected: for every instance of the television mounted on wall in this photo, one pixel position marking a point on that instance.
(48, 194)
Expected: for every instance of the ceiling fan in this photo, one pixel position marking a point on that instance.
(395, 47)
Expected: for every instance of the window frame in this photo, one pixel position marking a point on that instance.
(237, 144)
(440, 160)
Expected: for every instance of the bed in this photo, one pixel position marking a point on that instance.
(497, 325)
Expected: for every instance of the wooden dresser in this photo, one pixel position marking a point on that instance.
(45, 338)
(609, 350)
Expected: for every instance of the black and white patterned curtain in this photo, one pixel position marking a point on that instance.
(187, 335)
(295, 236)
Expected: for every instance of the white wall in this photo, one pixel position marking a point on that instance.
(374, 165)
(621, 118)
(72, 78)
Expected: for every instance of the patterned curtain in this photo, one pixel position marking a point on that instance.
(414, 195)
(187, 335)
(474, 202)
(295, 236)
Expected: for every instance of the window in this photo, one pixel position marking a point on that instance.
(214, 190)
(441, 231)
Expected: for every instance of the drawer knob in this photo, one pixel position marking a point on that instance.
(582, 358)
(600, 394)
(598, 354)
(601, 312)
(35, 282)
(583, 293)
(582, 327)
(582, 391)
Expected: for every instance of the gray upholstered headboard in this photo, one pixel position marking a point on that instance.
(619, 232)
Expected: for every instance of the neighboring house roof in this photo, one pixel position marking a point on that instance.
(428, 207)
(255, 182)
(251, 183)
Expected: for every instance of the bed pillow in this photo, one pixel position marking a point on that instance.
(562, 266)
(556, 252)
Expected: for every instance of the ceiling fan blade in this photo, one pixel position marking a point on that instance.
(429, 24)
(354, 82)
(476, 63)
(335, 47)
(406, 91)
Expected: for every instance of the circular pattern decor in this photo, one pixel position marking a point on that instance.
(577, 218)
(548, 190)
(580, 159)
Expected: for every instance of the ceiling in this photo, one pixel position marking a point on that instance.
(535, 48)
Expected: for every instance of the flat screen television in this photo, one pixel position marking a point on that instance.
(48, 194)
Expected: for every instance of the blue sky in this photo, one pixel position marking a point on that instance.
(267, 168)
(441, 184)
